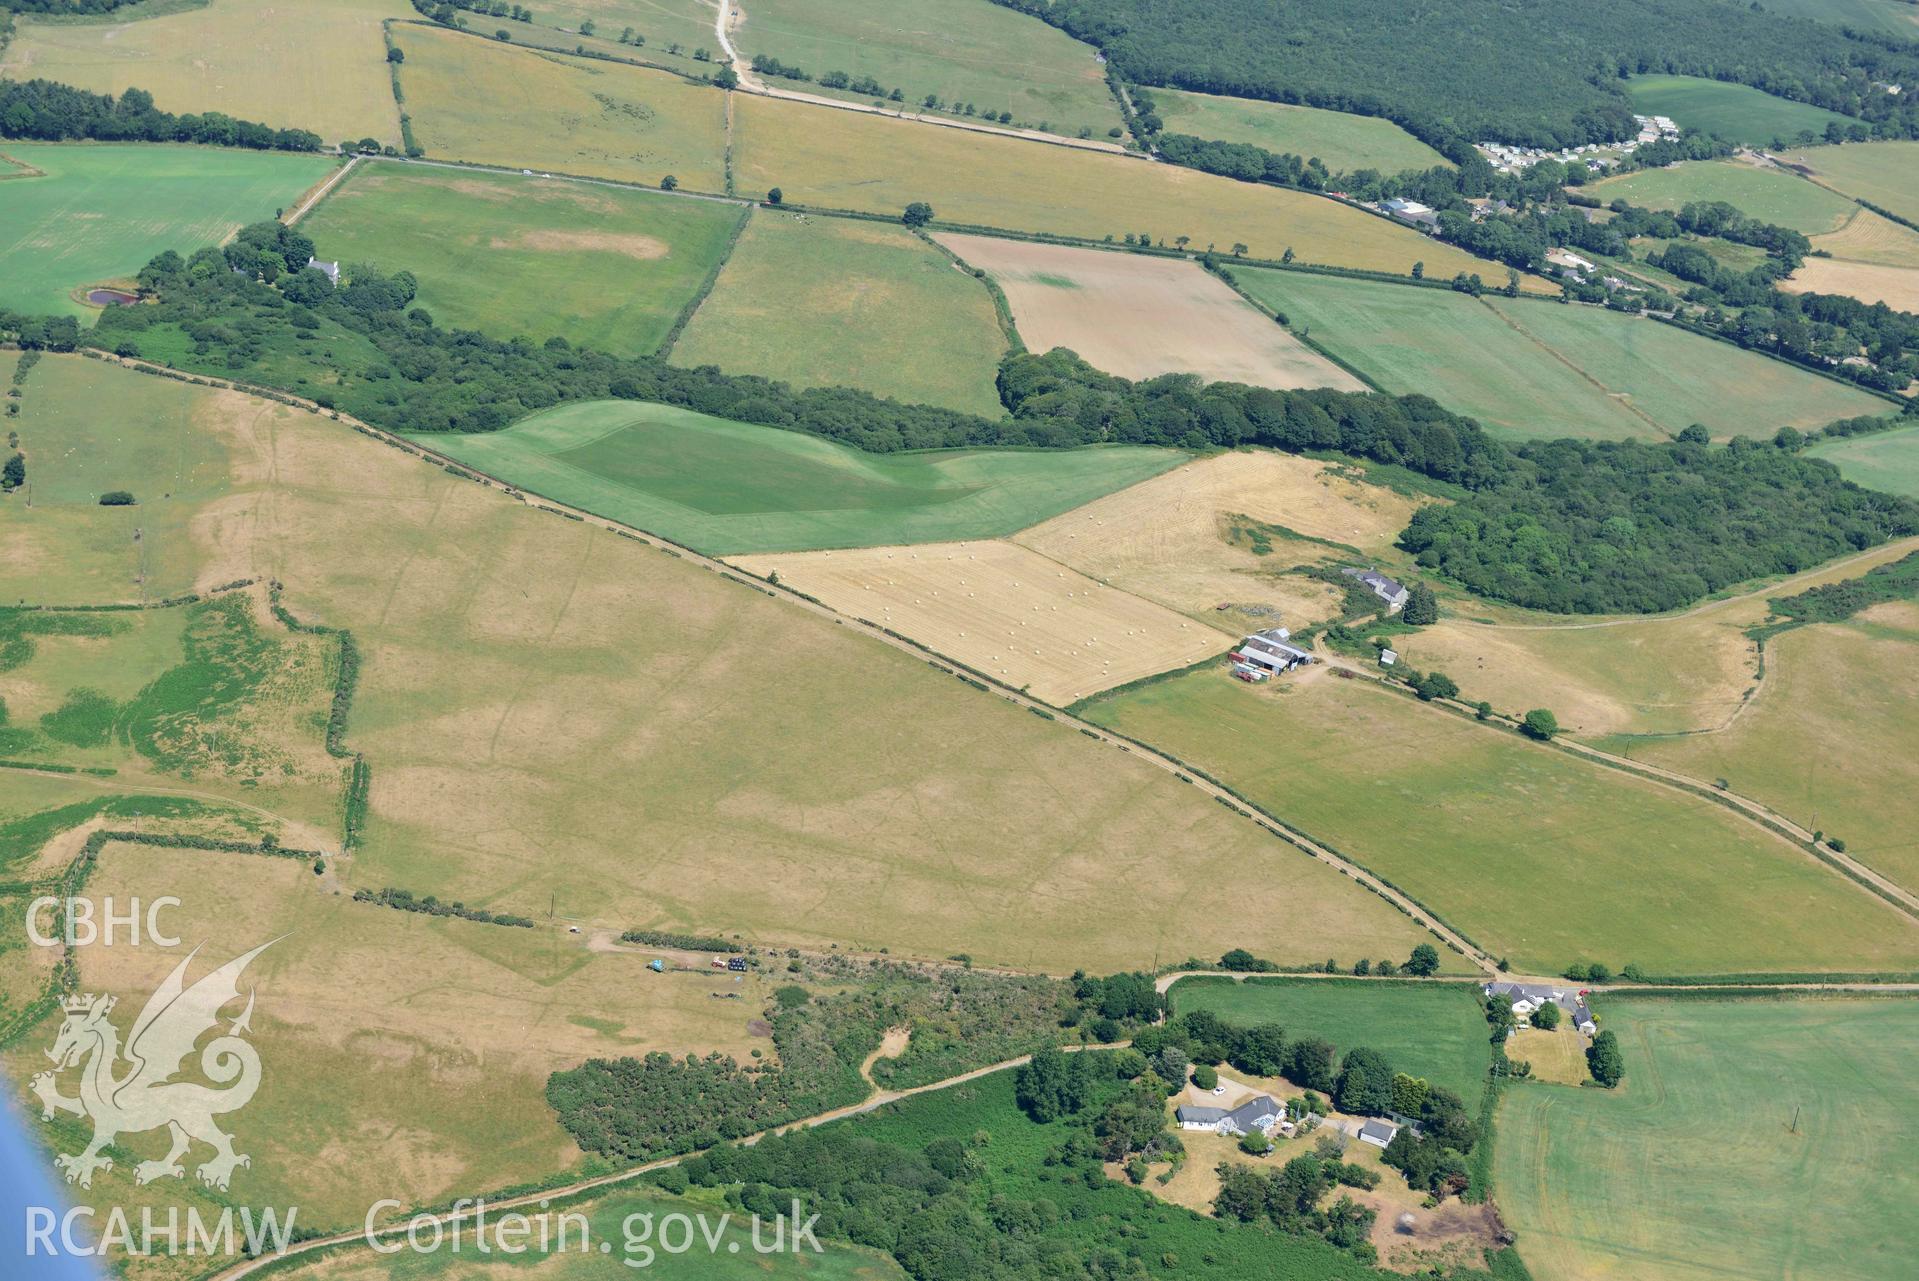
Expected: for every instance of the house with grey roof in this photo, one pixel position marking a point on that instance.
(1526, 999)
(331, 270)
(1383, 587)
(1262, 1113)
(1377, 1132)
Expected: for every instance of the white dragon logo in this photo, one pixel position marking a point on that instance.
(146, 1096)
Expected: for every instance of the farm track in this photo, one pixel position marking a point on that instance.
(751, 83)
(1405, 903)
(319, 193)
(539, 1199)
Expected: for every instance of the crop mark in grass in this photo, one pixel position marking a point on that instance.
(1622, 399)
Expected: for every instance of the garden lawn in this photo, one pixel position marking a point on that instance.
(1733, 112)
(489, 103)
(820, 302)
(723, 487)
(96, 212)
(1773, 195)
(312, 64)
(1344, 141)
(1537, 856)
(1887, 460)
(1433, 1030)
(963, 51)
(1754, 1139)
(506, 254)
(849, 160)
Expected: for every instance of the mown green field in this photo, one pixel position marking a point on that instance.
(1756, 1139)
(1772, 195)
(1537, 856)
(95, 212)
(1887, 460)
(1890, 17)
(1733, 112)
(506, 254)
(1433, 1030)
(1886, 173)
(293, 66)
(496, 104)
(963, 51)
(1344, 141)
(1530, 370)
(721, 486)
(819, 302)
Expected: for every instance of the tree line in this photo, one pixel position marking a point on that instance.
(48, 111)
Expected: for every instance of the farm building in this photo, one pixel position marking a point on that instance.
(1377, 1132)
(1269, 651)
(1383, 587)
(1261, 1113)
(1528, 997)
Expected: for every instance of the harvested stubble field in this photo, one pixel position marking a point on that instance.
(92, 213)
(1679, 673)
(965, 51)
(292, 64)
(555, 713)
(884, 311)
(489, 103)
(1766, 192)
(1003, 610)
(849, 160)
(1139, 317)
(1886, 173)
(403, 1055)
(1897, 287)
(1538, 856)
(1831, 739)
(727, 487)
(1527, 370)
(1734, 112)
(1741, 1144)
(1344, 141)
(599, 266)
(1872, 238)
(1171, 539)
(1887, 460)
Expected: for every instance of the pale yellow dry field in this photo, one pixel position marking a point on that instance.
(1897, 287)
(556, 713)
(1871, 237)
(402, 1055)
(1674, 674)
(1558, 1056)
(1169, 539)
(292, 64)
(1004, 610)
(1139, 317)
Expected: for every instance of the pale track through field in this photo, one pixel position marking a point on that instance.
(751, 83)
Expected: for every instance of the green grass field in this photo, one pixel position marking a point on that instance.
(1693, 1169)
(1886, 173)
(1772, 195)
(1537, 856)
(1733, 112)
(1831, 739)
(822, 301)
(293, 66)
(722, 486)
(962, 50)
(96, 212)
(1433, 1030)
(1344, 141)
(489, 103)
(1530, 370)
(1889, 17)
(875, 164)
(1887, 460)
(506, 254)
